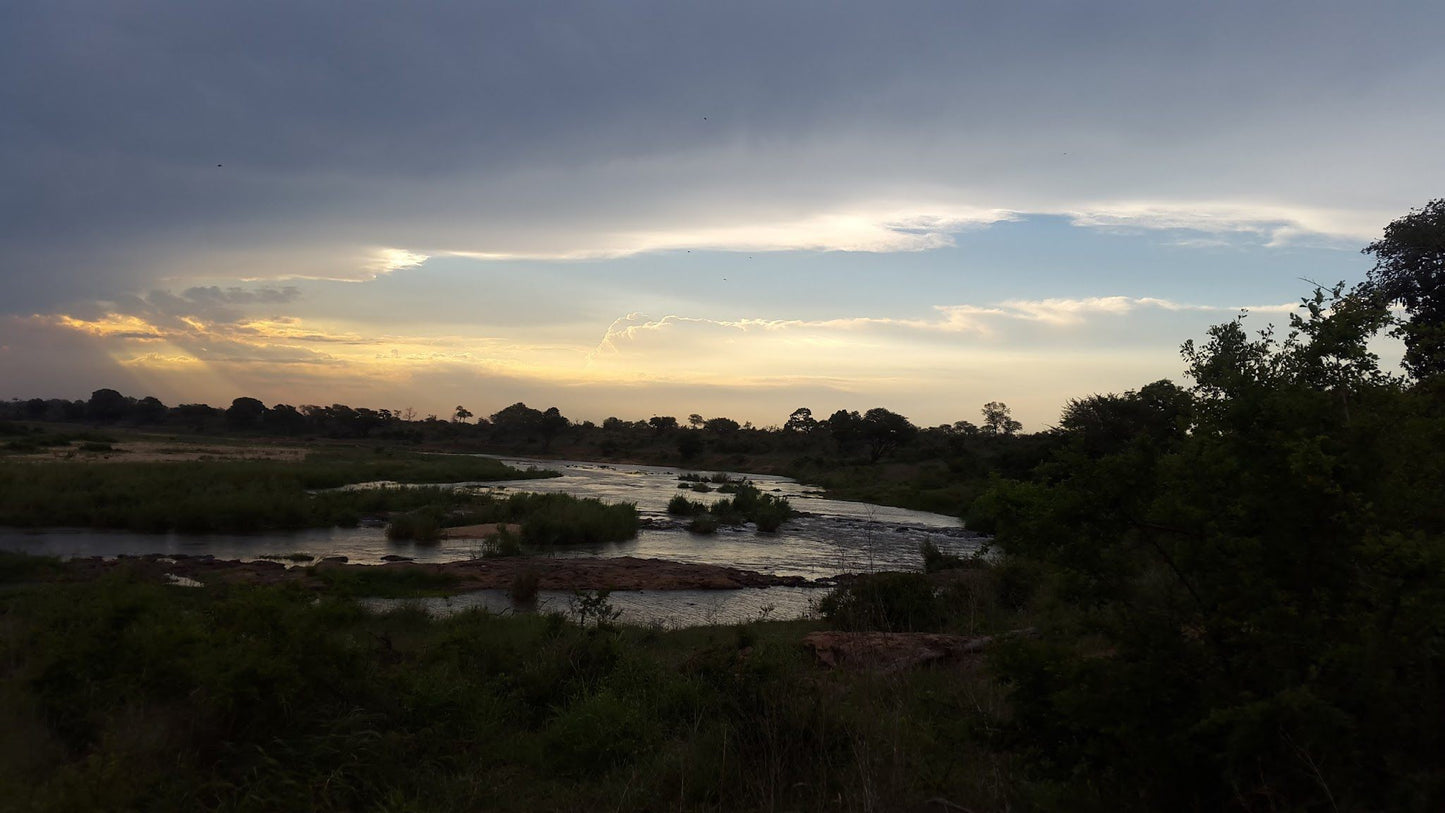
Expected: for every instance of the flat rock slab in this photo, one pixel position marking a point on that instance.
(622, 573)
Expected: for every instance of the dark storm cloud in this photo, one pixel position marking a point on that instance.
(152, 140)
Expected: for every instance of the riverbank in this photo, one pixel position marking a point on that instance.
(439, 578)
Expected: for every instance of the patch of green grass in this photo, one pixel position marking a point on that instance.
(230, 496)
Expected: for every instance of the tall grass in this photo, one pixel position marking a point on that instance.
(232, 496)
(128, 695)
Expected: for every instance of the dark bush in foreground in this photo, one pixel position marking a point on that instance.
(122, 695)
(897, 602)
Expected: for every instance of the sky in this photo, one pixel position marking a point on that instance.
(665, 208)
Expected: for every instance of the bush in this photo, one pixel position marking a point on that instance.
(892, 602)
(703, 524)
(523, 589)
(419, 526)
(561, 519)
(682, 506)
(935, 560)
(502, 543)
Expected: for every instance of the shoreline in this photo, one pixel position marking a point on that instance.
(623, 573)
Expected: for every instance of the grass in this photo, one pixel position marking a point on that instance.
(123, 694)
(232, 496)
(748, 504)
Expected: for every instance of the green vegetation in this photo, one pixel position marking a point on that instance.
(683, 507)
(421, 525)
(935, 560)
(240, 496)
(120, 694)
(561, 519)
(1243, 585)
(748, 504)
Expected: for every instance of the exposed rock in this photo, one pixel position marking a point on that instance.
(393, 557)
(554, 573)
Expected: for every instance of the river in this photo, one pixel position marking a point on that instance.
(829, 537)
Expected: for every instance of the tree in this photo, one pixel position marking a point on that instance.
(695, 421)
(1160, 411)
(662, 423)
(846, 429)
(997, 420)
(721, 426)
(245, 412)
(549, 423)
(689, 445)
(885, 431)
(801, 421)
(518, 421)
(462, 414)
(1410, 269)
(1268, 586)
(107, 406)
(149, 410)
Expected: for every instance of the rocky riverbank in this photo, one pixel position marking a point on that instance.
(621, 573)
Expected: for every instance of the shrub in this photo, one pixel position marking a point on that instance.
(935, 560)
(523, 589)
(703, 524)
(682, 506)
(419, 526)
(895, 602)
(561, 519)
(502, 543)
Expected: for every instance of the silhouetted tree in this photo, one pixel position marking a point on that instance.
(721, 426)
(997, 420)
(245, 412)
(106, 406)
(885, 431)
(549, 424)
(1161, 411)
(149, 410)
(801, 420)
(1410, 269)
(846, 429)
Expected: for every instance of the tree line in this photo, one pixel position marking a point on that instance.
(876, 433)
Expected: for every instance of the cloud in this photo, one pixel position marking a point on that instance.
(1275, 224)
(281, 141)
(876, 229)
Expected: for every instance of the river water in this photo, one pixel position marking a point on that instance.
(828, 538)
